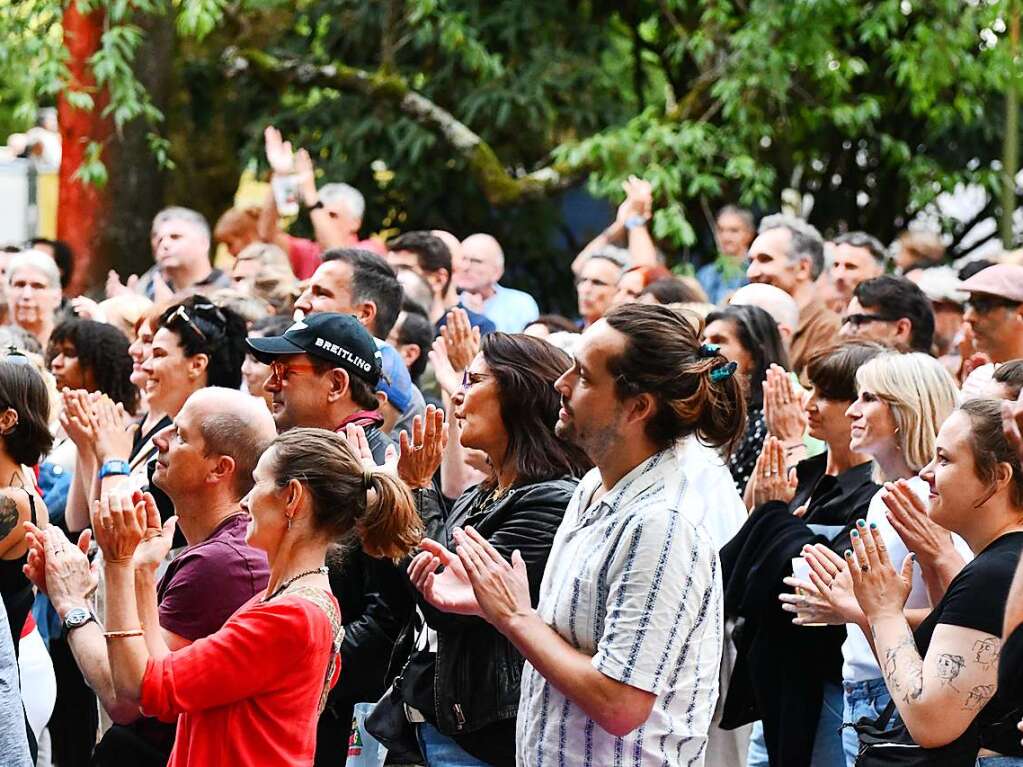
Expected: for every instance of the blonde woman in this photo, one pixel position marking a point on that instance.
(902, 400)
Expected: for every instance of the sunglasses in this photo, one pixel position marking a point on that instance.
(181, 315)
(862, 319)
(280, 370)
(983, 305)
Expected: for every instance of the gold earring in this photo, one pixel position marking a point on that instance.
(289, 523)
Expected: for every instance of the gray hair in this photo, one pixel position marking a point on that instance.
(175, 213)
(620, 257)
(806, 243)
(742, 213)
(20, 339)
(34, 259)
(865, 241)
(349, 195)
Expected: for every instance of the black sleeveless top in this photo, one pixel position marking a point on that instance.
(16, 588)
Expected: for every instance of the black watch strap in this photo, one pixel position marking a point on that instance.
(318, 205)
(76, 618)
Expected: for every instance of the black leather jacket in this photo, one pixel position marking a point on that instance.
(477, 670)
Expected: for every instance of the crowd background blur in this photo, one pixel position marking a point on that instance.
(409, 455)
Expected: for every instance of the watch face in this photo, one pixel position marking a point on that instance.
(76, 617)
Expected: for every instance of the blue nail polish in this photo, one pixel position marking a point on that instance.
(855, 533)
(848, 553)
(873, 526)
(861, 523)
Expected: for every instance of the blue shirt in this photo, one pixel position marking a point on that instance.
(712, 280)
(510, 310)
(475, 319)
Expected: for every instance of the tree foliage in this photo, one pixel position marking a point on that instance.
(870, 107)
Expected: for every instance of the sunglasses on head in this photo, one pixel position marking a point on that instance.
(181, 315)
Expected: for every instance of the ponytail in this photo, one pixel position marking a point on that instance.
(346, 497)
(389, 526)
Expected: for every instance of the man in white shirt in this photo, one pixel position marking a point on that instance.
(623, 648)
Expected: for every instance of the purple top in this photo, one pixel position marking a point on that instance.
(209, 581)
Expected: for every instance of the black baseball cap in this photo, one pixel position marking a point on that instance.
(337, 338)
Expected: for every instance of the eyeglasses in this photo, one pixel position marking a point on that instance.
(985, 304)
(471, 379)
(280, 370)
(862, 319)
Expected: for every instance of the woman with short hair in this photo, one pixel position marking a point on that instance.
(816, 501)
(33, 293)
(902, 401)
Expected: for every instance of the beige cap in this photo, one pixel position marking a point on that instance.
(1002, 280)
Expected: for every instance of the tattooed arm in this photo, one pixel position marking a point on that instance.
(13, 511)
(939, 695)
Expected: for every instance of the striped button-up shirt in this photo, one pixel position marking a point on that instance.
(634, 583)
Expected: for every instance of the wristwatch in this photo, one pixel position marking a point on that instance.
(634, 222)
(76, 618)
(315, 206)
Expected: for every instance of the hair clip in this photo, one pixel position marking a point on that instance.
(722, 372)
(710, 350)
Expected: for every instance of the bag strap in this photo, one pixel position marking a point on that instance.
(882, 721)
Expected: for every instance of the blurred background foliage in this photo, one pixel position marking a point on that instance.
(869, 108)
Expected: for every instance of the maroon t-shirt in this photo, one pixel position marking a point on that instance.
(209, 581)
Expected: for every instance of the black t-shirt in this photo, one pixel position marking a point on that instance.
(975, 599)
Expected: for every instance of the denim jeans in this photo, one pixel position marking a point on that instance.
(865, 699)
(441, 751)
(1000, 761)
(827, 744)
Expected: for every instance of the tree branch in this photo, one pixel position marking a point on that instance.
(498, 185)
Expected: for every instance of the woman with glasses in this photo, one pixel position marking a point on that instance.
(461, 676)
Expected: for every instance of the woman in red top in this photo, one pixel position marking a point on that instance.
(251, 693)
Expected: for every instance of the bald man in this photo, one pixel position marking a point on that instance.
(510, 310)
(204, 464)
(780, 305)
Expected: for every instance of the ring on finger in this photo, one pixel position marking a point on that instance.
(865, 568)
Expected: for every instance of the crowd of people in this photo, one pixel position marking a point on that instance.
(349, 491)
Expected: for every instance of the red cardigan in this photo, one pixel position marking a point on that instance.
(250, 693)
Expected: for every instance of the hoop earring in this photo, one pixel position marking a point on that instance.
(289, 523)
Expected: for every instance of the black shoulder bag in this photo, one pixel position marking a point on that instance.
(883, 746)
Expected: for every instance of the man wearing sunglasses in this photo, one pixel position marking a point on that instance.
(891, 310)
(324, 371)
(994, 311)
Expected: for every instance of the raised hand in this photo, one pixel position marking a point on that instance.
(461, 339)
(114, 286)
(119, 526)
(157, 539)
(447, 377)
(278, 151)
(879, 589)
(783, 407)
(421, 453)
(449, 590)
(59, 569)
(772, 481)
(114, 430)
(502, 589)
(76, 419)
(908, 515)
